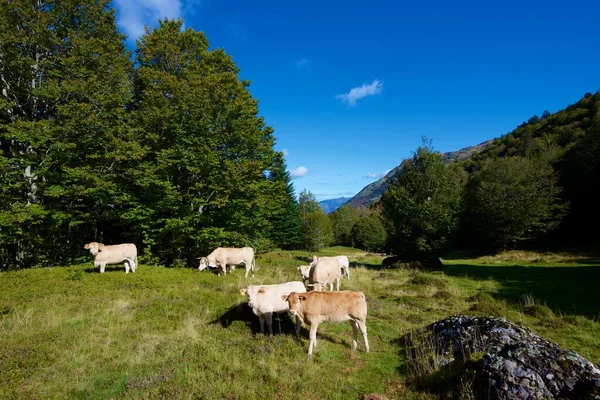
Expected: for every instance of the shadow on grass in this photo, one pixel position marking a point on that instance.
(282, 323)
(567, 290)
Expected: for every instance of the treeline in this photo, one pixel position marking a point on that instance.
(533, 187)
(163, 147)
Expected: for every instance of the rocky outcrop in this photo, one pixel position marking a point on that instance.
(510, 362)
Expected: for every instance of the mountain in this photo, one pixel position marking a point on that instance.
(373, 191)
(331, 205)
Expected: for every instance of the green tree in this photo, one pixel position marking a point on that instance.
(64, 134)
(342, 221)
(511, 200)
(421, 205)
(368, 233)
(205, 177)
(316, 228)
(285, 232)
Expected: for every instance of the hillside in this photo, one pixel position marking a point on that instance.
(374, 190)
(331, 205)
(175, 333)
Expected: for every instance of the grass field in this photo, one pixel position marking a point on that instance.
(71, 332)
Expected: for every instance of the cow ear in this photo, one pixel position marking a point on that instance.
(302, 297)
(100, 245)
(284, 297)
(243, 292)
(87, 246)
(261, 290)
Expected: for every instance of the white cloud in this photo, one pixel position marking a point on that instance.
(302, 63)
(361, 92)
(376, 175)
(133, 15)
(299, 172)
(285, 152)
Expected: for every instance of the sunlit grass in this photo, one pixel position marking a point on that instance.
(74, 333)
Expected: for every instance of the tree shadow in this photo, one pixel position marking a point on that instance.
(568, 290)
(355, 264)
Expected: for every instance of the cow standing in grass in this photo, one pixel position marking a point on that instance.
(113, 254)
(266, 300)
(325, 271)
(223, 256)
(315, 307)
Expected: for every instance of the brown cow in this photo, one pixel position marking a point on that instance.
(315, 307)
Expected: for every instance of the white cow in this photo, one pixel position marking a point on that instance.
(223, 256)
(304, 271)
(343, 260)
(113, 254)
(325, 270)
(267, 299)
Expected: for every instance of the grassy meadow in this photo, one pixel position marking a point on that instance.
(71, 332)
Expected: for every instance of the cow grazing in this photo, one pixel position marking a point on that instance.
(223, 256)
(325, 270)
(343, 260)
(315, 307)
(267, 299)
(113, 254)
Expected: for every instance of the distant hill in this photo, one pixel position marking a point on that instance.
(373, 191)
(331, 205)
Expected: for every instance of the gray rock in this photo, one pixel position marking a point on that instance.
(516, 363)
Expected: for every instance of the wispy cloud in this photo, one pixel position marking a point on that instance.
(236, 30)
(133, 15)
(285, 152)
(299, 172)
(361, 92)
(302, 63)
(377, 175)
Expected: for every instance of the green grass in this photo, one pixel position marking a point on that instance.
(73, 333)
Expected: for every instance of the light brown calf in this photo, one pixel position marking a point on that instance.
(315, 307)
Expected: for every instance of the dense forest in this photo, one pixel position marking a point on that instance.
(164, 147)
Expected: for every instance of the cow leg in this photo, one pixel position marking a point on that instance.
(102, 265)
(126, 266)
(331, 287)
(269, 318)
(247, 265)
(261, 318)
(355, 334)
(363, 329)
(223, 268)
(313, 338)
(132, 264)
(298, 326)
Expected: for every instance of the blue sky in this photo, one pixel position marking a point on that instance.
(350, 87)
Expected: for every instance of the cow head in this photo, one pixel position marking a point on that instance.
(203, 263)
(252, 293)
(294, 300)
(314, 260)
(304, 270)
(94, 247)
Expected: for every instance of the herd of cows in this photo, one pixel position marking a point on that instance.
(310, 307)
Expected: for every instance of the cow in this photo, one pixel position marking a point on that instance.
(267, 299)
(113, 254)
(223, 256)
(304, 271)
(325, 270)
(343, 260)
(315, 307)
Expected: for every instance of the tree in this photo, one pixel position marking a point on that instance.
(421, 205)
(205, 176)
(342, 221)
(316, 229)
(368, 233)
(511, 200)
(64, 133)
(285, 232)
